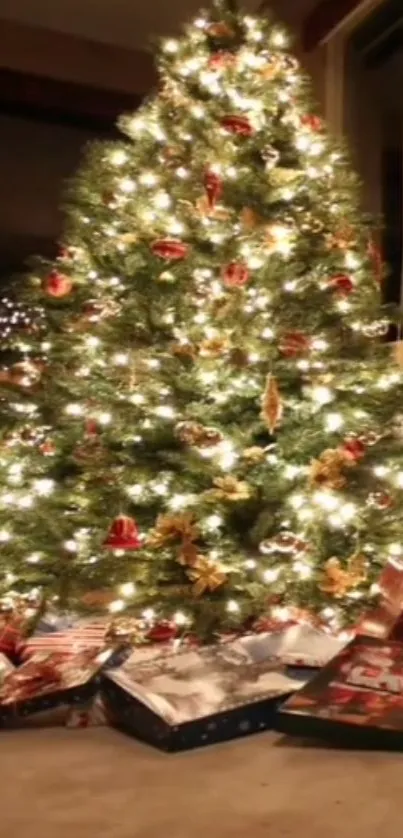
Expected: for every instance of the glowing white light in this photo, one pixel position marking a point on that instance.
(165, 411)
(71, 546)
(395, 549)
(333, 422)
(381, 471)
(180, 501)
(149, 614)
(118, 157)
(127, 185)
(135, 491)
(327, 500)
(250, 564)
(128, 589)
(148, 179)
(74, 409)
(213, 522)
(302, 569)
(291, 472)
(120, 359)
(34, 558)
(92, 342)
(162, 200)
(116, 606)
(348, 512)
(270, 575)
(137, 398)
(5, 535)
(171, 46)
(279, 39)
(25, 502)
(180, 619)
(160, 489)
(200, 22)
(104, 418)
(322, 395)
(44, 487)
(297, 501)
(232, 606)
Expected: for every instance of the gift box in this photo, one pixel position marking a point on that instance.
(386, 618)
(199, 696)
(356, 699)
(50, 681)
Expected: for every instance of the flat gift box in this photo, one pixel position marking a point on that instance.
(48, 681)
(356, 699)
(200, 696)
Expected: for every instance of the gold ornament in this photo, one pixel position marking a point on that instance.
(249, 218)
(184, 350)
(254, 454)
(328, 469)
(272, 406)
(193, 433)
(128, 238)
(229, 488)
(271, 69)
(205, 210)
(339, 582)
(214, 347)
(173, 528)
(206, 575)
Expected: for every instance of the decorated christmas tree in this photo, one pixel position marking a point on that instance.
(206, 433)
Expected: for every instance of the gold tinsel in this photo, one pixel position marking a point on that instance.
(184, 350)
(214, 347)
(328, 469)
(173, 528)
(206, 575)
(229, 488)
(254, 454)
(272, 406)
(339, 581)
(193, 433)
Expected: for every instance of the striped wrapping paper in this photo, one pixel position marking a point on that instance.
(73, 641)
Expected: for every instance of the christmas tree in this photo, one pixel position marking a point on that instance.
(207, 431)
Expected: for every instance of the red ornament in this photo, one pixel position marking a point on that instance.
(213, 185)
(57, 285)
(237, 125)
(170, 249)
(123, 534)
(91, 427)
(221, 61)
(354, 449)
(235, 275)
(162, 632)
(48, 448)
(313, 122)
(343, 284)
(293, 344)
(381, 500)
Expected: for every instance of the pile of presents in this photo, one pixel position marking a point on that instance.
(296, 679)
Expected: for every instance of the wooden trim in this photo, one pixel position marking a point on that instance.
(324, 19)
(49, 100)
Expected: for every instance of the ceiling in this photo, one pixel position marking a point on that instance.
(126, 23)
(121, 22)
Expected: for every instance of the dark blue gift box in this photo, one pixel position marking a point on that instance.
(194, 698)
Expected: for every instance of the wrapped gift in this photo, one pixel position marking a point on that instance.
(385, 619)
(51, 680)
(83, 636)
(357, 698)
(198, 696)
